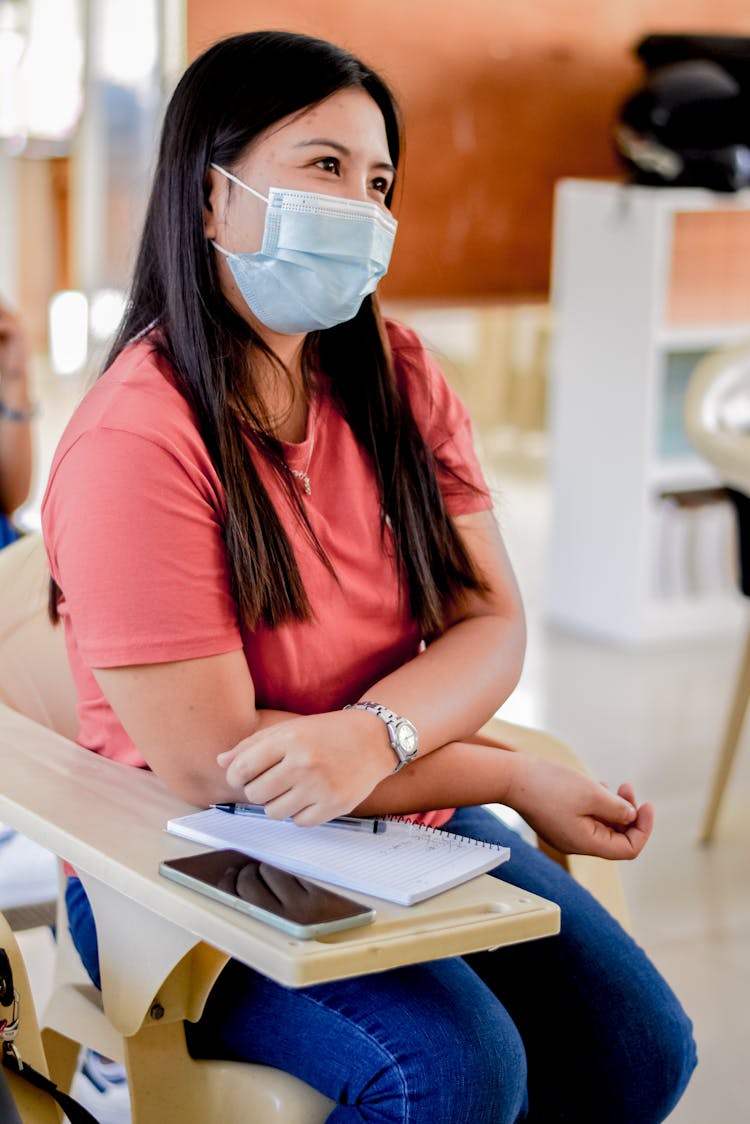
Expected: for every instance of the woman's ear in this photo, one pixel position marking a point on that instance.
(214, 200)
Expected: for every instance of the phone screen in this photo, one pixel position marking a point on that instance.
(269, 894)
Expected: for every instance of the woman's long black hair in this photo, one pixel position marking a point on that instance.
(231, 93)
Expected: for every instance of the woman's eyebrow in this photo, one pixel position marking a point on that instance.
(338, 147)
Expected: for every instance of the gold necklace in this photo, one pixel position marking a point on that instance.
(302, 473)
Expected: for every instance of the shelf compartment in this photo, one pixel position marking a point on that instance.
(709, 278)
(672, 440)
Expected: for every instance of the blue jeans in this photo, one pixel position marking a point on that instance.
(8, 532)
(579, 1027)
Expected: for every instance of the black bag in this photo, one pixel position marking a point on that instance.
(688, 125)
(10, 1014)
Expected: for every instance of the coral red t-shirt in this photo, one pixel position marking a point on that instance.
(132, 521)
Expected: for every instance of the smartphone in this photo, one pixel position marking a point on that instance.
(294, 905)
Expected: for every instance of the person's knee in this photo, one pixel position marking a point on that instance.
(671, 1065)
(468, 1075)
(501, 1078)
(661, 1057)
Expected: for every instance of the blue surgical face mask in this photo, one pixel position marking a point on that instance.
(321, 256)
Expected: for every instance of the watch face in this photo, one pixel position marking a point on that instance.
(407, 738)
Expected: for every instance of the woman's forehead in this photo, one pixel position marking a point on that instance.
(350, 116)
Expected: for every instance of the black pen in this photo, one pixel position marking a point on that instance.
(353, 823)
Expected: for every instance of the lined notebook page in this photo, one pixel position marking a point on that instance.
(405, 864)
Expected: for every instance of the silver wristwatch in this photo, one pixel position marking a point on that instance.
(402, 733)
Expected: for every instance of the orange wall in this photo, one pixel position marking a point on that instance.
(501, 98)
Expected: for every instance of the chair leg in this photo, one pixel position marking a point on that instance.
(166, 1084)
(62, 1057)
(729, 746)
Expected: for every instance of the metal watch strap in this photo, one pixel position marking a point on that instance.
(393, 724)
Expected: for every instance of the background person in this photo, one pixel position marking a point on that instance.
(269, 510)
(16, 414)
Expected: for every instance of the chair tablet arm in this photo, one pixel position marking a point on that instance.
(58, 794)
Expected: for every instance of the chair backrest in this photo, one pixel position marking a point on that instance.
(35, 678)
(717, 413)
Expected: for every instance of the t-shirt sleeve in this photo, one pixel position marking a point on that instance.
(443, 421)
(134, 540)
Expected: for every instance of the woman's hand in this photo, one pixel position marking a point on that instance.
(15, 431)
(575, 814)
(14, 352)
(312, 768)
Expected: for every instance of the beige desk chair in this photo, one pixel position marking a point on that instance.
(717, 421)
(165, 1083)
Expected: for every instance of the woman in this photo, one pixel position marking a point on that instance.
(16, 415)
(274, 555)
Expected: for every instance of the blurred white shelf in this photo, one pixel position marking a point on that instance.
(701, 337)
(682, 474)
(639, 277)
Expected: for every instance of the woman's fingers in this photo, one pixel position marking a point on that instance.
(615, 809)
(250, 759)
(640, 831)
(295, 769)
(627, 792)
(625, 833)
(617, 842)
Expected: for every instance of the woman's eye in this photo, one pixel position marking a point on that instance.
(381, 184)
(328, 164)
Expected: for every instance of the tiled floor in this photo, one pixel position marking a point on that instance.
(653, 717)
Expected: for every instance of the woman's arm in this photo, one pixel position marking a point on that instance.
(452, 688)
(568, 809)
(181, 715)
(16, 411)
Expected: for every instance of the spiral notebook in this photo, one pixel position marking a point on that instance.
(405, 863)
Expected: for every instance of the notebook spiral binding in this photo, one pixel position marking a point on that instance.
(451, 836)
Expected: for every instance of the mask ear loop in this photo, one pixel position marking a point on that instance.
(239, 183)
